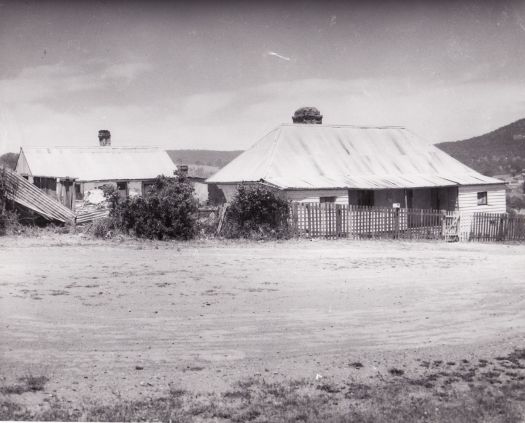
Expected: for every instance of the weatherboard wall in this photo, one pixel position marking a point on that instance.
(468, 199)
(468, 204)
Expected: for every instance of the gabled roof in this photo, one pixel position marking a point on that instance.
(306, 156)
(96, 163)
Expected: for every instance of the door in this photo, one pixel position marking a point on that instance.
(122, 189)
(68, 193)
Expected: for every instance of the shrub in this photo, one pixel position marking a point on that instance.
(8, 188)
(168, 210)
(516, 202)
(103, 228)
(257, 212)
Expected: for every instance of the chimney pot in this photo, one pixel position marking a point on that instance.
(183, 169)
(307, 115)
(104, 138)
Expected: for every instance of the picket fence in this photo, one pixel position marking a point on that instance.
(332, 220)
(497, 227)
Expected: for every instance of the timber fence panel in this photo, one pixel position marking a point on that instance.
(331, 220)
(497, 227)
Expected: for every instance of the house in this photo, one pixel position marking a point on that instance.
(67, 173)
(384, 166)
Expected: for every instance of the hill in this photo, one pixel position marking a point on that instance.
(215, 158)
(498, 152)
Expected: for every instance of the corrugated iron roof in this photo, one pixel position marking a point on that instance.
(306, 156)
(28, 195)
(99, 163)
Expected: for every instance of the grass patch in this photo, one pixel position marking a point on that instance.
(432, 396)
(29, 383)
(300, 401)
(396, 372)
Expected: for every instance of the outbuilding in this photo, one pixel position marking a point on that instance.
(66, 173)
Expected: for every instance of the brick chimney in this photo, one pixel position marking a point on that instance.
(104, 138)
(310, 115)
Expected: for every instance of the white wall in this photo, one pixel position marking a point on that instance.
(134, 188)
(22, 167)
(468, 204)
(468, 199)
(228, 190)
(312, 196)
(201, 191)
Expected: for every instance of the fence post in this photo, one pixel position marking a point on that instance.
(309, 216)
(396, 223)
(338, 220)
(295, 217)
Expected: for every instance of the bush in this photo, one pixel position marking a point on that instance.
(516, 202)
(103, 228)
(168, 210)
(257, 212)
(8, 215)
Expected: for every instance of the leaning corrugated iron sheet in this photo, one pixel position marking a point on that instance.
(334, 156)
(84, 217)
(99, 163)
(28, 195)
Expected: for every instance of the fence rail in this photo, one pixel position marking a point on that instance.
(340, 220)
(497, 227)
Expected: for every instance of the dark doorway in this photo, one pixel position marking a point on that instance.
(434, 199)
(365, 197)
(409, 195)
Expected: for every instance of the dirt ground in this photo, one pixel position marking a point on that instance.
(109, 319)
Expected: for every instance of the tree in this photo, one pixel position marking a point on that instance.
(257, 212)
(9, 160)
(167, 210)
(8, 188)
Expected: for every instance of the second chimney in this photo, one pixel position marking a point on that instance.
(307, 115)
(104, 138)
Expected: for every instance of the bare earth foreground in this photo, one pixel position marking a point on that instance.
(133, 320)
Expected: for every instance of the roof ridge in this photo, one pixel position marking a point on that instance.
(101, 148)
(344, 126)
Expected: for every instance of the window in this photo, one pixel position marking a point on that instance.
(327, 199)
(365, 197)
(482, 198)
(147, 187)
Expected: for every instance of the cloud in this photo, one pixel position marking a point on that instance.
(54, 81)
(202, 106)
(126, 71)
(41, 82)
(236, 119)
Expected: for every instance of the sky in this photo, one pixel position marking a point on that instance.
(220, 75)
